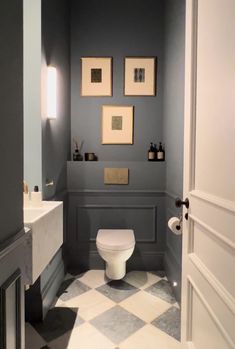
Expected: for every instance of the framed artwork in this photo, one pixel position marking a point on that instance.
(96, 76)
(117, 124)
(140, 76)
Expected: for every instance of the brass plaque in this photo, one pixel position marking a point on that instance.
(116, 176)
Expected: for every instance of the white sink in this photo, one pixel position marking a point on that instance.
(46, 229)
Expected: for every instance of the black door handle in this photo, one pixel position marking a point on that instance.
(179, 202)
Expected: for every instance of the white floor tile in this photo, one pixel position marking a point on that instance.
(141, 279)
(90, 304)
(94, 278)
(145, 306)
(149, 337)
(84, 337)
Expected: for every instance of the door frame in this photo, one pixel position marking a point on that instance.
(191, 23)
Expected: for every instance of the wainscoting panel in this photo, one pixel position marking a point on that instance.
(142, 211)
(173, 254)
(10, 315)
(141, 218)
(14, 274)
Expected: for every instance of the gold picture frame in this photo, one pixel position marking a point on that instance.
(117, 124)
(140, 76)
(96, 76)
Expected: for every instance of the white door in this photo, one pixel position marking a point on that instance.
(208, 297)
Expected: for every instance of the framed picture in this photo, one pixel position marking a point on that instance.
(117, 124)
(140, 76)
(96, 76)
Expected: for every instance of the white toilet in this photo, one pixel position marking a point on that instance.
(115, 246)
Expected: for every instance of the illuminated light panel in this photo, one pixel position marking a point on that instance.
(51, 92)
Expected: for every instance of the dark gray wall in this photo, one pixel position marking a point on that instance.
(116, 28)
(11, 116)
(173, 115)
(13, 240)
(56, 133)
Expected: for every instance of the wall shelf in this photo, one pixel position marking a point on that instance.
(89, 175)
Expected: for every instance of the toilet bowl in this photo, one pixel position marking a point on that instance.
(115, 246)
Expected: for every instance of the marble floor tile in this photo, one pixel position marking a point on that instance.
(145, 306)
(169, 322)
(163, 290)
(90, 304)
(84, 337)
(71, 288)
(141, 279)
(32, 336)
(93, 278)
(117, 324)
(57, 322)
(117, 290)
(149, 337)
(93, 312)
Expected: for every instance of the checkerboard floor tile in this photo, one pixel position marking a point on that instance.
(91, 311)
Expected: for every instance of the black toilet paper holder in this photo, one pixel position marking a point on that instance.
(178, 226)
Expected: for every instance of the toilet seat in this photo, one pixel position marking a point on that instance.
(115, 239)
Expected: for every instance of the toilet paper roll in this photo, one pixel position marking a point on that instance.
(174, 224)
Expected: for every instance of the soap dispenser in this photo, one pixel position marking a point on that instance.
(36, 197)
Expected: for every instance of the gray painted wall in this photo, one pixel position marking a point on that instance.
(55, 46)
(173, 115)
(32, 94)
(11, 116)
(56, 133)
(118, 29)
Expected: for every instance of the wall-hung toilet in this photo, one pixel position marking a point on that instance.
(115, 246)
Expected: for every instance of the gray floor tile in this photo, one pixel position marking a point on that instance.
(118, 290)
(163, 290)
(169, 322)
(57, 322)
(117, 324)
(71, 288)
(160, 273)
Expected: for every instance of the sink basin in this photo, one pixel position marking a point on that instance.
(46, 229)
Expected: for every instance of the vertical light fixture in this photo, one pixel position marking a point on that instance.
(51, 92)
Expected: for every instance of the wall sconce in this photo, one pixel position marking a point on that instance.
(51, 92)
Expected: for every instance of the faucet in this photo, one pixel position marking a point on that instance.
(25, 188)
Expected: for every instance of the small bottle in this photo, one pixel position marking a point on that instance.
(155, 152)
(151, 153)
(36, 197)
(160, 153)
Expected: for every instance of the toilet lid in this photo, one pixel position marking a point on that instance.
(115, 239)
